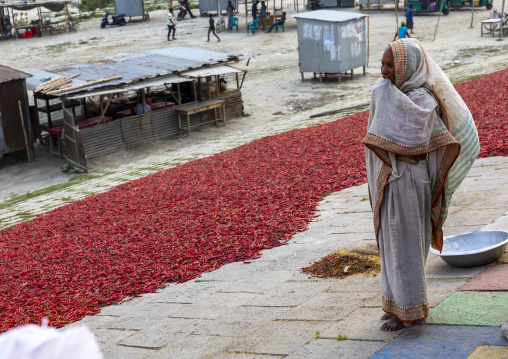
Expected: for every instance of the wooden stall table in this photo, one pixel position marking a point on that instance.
(124, 113)
(271, 19)
(27, 28)
(193, 108)
(160, 105)
(57, 131)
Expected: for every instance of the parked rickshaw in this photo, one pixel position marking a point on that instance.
(456, 4)
(430, 6)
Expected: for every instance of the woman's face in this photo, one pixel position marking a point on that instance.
(387, 68)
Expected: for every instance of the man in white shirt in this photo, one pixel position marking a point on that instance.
(171, 25)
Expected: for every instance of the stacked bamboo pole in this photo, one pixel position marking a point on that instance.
(83, 85)
(55, 83)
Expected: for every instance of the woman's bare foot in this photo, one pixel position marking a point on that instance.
(392, 325)
(387, 316)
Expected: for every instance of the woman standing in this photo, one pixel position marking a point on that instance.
(418, 125)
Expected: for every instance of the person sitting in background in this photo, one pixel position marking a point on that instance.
(7, 28)
(279, 22)
(139, 107)
(223, 85)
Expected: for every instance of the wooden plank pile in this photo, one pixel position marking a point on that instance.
(63, 84)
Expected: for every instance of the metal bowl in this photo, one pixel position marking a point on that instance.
(473, 249)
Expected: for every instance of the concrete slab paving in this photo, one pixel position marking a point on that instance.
(280, 337)
(195, 347)
(471, 308)
(493, 278)
(331, 348)
(290, 294)
(437, 268)
(328, 306)
(120, 352)
(240, 322)
(362, 324)
(434, 341)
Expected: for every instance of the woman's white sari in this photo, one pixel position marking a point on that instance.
(421, 115)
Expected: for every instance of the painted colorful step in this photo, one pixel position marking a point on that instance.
(493, 278)
(489, 352)
(471, 308)
(436, 341)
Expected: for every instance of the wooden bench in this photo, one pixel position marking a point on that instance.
(200, 107)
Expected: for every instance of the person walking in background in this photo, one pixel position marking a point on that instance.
(402, 31)
(187, 6)
(230, 10)
(171, 25)
(262, 15)
(212, 29)
(255, 10)
(409, 17)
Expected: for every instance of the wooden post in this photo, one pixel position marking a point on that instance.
(439, 17)
(217, 84)
(143, 100)
(179, 96)
(40, 19)
(246, 15)
(237, 82)
(194, 86)
(24, 132)
(472, 15)
(106, 108)
(243, 78)
(208, 87)
(501, 24)
(67, 25)
(368, 33)
(397, 15)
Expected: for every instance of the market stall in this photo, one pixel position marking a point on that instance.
(122, 101)
(23, 26)
(16, 127)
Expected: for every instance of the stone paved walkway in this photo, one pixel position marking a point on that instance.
(267, 308)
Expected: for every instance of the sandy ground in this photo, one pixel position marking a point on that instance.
(273, 86)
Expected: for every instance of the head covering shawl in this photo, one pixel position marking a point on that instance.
(400, 128)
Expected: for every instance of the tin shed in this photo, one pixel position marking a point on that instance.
(15, 126)
(130, 8)
(213, 5)
(331, 42)
(338, 3)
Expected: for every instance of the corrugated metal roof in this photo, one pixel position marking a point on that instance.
(9, 74)
(135, 67)
(329, 15)
(210, 71)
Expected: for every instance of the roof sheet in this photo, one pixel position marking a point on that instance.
(135, 67)
(210, 71)
(9, 74)
(329, 15)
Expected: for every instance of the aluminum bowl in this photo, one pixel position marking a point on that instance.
(473, 249)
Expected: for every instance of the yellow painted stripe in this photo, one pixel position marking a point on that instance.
(490, 352)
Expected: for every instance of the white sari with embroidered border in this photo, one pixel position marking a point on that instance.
(409, 197)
